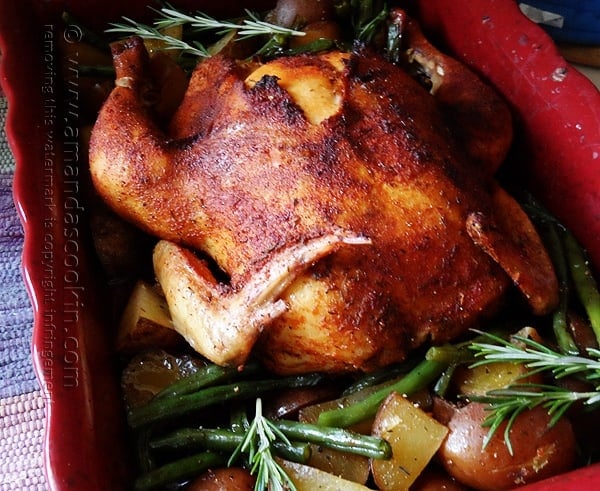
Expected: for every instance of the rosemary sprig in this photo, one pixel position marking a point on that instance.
(257, 446)
(250, 26)
(135, 28)
(508, 403)
(537, 357)
(169, 17)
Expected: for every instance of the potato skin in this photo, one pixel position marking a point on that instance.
(539, 451)
(224, 479)
(294, 13)
(434, 479)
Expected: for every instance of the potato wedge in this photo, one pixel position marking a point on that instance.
(307, 478)
(146, 322)
(159, 46)
(347, 466)
(415, 438)
(476, 381)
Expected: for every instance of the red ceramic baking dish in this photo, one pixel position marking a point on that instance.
(558, 117)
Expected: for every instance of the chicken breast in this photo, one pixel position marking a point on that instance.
(330, 187)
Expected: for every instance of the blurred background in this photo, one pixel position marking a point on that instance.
(575, 26)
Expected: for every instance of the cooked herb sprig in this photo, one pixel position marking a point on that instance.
(134, 28)
(248, 27)
(508, 403)
(257, 446)
(537, 357)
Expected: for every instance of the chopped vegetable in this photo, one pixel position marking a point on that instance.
(178, 471)
(306, 478)
(166, 408)
(257, 444)
(252, 26)
(419, 377)
(506, 404)
(537, 451)
(145, 322)
(336, 438)
(414, 436)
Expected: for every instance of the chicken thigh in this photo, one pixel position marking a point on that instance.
(350, 224)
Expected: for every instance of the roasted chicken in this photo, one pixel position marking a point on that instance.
(323, 211)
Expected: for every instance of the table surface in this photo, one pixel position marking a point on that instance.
(21, 401)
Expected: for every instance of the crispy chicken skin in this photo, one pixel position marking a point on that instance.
(329, 188)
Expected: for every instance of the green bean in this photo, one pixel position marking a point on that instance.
(450, 354)
(418, 378)
(216, 439)
(238, 418)
(442, 385)
(336, 438)
(144, 458)
(206, 376)
(316, 46)
(576, 263)
(549, 228)
(375, 378)
(560, 325)
(299, 452)
(179, 470)
(170, 407)
(583, 280)
(224, 440)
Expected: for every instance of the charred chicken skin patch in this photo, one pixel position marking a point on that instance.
(354, 211)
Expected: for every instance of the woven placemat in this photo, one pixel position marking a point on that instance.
(22, 415)
(21, 442)
(16, 316)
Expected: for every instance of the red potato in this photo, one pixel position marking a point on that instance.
(171, 81)
(287, 403)
(149, 372)
(434, 479)
(322, 29)
(539, 451)
(294, 13)
(225, 479)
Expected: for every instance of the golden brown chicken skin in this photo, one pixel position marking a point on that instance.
(331, 191)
